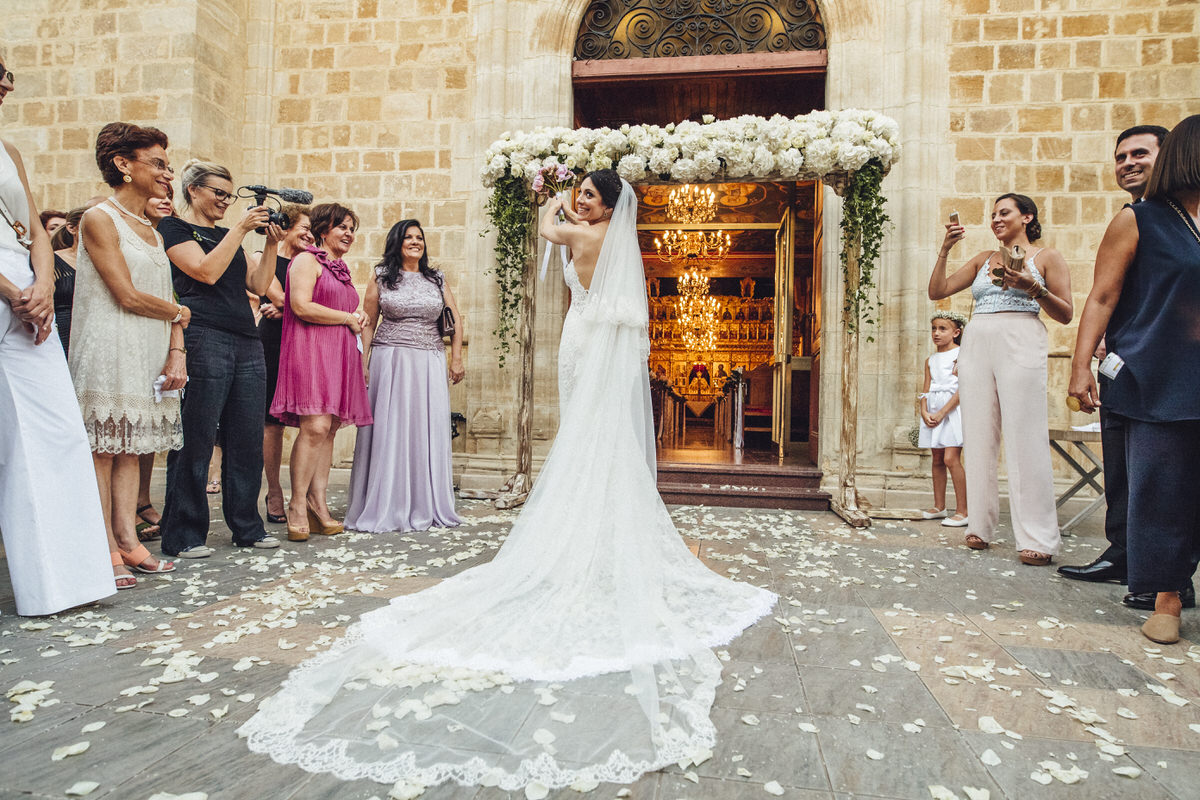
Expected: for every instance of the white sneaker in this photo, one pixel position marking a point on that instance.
(957, 521)
(935, 514)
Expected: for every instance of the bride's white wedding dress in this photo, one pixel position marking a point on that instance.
(582, 651)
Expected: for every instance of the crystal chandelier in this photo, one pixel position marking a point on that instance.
(691, 205)
(688, 245)
(698, 312)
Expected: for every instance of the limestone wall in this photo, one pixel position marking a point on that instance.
(387, 105)
(1038, 92)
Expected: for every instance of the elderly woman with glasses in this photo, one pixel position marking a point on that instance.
(227, 376)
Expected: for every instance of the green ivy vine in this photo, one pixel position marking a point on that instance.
(863, 224)
(511, 210)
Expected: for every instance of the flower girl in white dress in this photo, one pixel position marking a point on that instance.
(941, 421)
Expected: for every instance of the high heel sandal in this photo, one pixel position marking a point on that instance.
(294, 532)
(148, 531)
(317, 526)
(137, 556)
(123, 581)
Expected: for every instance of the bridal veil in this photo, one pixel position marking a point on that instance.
(582, 652)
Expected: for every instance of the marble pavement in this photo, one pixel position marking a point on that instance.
(899, 664)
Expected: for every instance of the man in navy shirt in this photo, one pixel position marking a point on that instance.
(1133, 160)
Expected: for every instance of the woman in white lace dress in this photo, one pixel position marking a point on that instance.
(582, 651)
(127, 356)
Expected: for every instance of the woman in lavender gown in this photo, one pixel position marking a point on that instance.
(401, 479)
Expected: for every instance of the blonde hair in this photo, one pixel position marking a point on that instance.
(195, 172)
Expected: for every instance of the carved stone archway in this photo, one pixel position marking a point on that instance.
(613, 29)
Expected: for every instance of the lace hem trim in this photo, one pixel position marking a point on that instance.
(274, 733)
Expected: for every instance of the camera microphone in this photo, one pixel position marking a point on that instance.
(287, 195)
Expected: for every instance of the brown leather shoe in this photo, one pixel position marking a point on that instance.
(1162, 628)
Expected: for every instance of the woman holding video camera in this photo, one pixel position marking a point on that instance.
(1002, 373)
(227, 375)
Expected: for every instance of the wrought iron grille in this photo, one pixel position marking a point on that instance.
(664, 28)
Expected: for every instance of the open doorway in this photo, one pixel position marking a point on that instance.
(734, 320)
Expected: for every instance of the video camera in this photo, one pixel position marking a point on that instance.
(275, 216)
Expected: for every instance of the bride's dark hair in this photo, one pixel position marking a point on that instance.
(390, 268)
(608, 184)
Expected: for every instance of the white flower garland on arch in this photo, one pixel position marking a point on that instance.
(807, 147)
(851, 150)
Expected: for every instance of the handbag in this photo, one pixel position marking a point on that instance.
(18, 227)
(446, 322)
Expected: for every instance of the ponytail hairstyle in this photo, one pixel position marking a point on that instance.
(1033, 230)
(390, 269)
(195, 172)
(63, 239)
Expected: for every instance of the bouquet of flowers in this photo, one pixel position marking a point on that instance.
(552, 180)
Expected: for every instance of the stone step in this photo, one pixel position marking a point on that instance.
(744, 495)
(755, 475)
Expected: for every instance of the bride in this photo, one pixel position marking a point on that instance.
(583, 651)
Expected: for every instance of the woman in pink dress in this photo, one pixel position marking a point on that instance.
(321, 384)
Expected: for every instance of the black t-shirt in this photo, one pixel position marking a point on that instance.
(223, 305)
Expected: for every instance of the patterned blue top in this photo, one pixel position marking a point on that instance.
(990, 299)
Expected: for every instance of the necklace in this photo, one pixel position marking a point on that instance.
(142, 220)
(1187, 222)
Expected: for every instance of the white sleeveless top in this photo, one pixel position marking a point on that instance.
(12, 192)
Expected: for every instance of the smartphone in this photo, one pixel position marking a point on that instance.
(953, 217)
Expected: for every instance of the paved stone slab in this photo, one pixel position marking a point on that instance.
(943, 634)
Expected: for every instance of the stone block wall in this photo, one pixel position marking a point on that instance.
(1039, 90)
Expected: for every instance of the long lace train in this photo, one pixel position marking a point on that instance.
(582, 652)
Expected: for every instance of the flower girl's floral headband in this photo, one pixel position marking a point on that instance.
(955, 317)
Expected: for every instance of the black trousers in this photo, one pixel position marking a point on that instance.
(227, 382)
(1116, 487)
(1163, 542)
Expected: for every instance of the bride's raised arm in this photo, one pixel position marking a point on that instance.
(569, 233)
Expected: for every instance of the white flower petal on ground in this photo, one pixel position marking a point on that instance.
(66, 751)
(750, 719)
(404, 790)
(543, 736)
(1041, 777)
(939, 792)
(874, 755)
(773, 788)
(92, 727)
(989, 725)
(973, 793)
(808, 727)
(82, 788)
(1127, 772)
(989, 758)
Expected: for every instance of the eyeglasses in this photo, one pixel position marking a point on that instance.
(158, 164)
(220, 194)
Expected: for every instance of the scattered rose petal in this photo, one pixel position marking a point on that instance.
(82, 788)
(69, 750)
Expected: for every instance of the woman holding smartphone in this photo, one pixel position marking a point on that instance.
(1002, 373)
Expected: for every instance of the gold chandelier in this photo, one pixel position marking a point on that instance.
(698, 312)
(691, 205)
(692, 245)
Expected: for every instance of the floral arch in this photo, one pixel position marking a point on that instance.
(849, 150)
